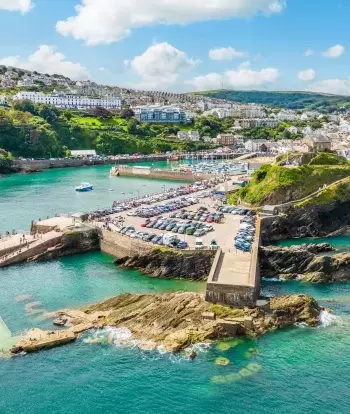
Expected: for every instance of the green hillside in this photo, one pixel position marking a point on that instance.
(275, 184)
(291, 100)
(43, 131)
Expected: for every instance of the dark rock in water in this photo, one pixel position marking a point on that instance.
(168, 263)
(302, 262)
(60, 321)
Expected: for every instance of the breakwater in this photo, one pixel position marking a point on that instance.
(38, 165)
(157, 173)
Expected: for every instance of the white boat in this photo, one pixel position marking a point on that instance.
(83, 187)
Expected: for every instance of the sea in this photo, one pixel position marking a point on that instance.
(298, 370)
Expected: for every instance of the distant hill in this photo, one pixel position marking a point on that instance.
(291, 100)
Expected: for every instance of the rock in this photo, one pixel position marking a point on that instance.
(74, 241)
(310, 221)
(36, 339)
(302, 262)
(169, 263)
(175, 320)
(290, 309)
(315, 277)
(60, 321)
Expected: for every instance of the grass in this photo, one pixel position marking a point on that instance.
(333, 193)
(276, 185)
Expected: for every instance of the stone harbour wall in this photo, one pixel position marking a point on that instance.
(119, 246)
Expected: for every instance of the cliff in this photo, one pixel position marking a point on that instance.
(169, 263)
(303, 263)
(322, 214)
(175, 320)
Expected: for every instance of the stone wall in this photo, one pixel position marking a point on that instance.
(231, 295)
(32, 251)
(119, 246)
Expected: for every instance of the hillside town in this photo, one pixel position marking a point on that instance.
(184, 109)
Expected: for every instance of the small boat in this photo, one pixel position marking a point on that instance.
(83, 187)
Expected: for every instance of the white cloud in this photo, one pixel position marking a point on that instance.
(243, 77)
(334, 52)
(226, 53)
(22, 6)
(47, 60)
(161, 63)
(308, 52)
(101, 69)
(108, 21)
(307, 75)
(333, 86)
(208, 82)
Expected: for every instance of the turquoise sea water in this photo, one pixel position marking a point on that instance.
(303, 370)
(341, 243)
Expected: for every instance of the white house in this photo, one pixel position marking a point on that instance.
(293, 129)
(69, 101)
(257, 145)
(188, 136)
(307, 130)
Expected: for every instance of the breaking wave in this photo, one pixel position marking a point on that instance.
(328, 319)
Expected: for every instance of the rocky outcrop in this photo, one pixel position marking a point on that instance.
(314, 221)
(169, 263)
(77, 240)
(302, 262)
(175, 320)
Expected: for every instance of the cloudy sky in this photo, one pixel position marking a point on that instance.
(183, 45)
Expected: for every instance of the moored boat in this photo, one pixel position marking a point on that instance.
(83, 187)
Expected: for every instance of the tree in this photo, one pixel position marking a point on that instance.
(48, 112)
(101, 112)
(127, 113)
(67, 115)
(6, 161)
(24, 106)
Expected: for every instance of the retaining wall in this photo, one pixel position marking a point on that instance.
(119, 246)
(32, 251)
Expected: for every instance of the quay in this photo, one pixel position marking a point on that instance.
(234, 279)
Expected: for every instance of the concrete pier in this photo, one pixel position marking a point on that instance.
(234, 279)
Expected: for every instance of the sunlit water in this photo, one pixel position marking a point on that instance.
(299, 370)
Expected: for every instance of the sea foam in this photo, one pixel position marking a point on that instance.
(328, 319)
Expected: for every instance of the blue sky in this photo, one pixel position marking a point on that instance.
(166, 44)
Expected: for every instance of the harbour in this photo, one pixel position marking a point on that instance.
(77, 280)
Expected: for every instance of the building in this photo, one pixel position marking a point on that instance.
(257, 122)
(257, 145)
(70, 101)
(83, 153)
(315, 143)
(209, 139)
(307, 131)
(286, 116)
(249, 111)
(160, 114)
(3, 100)
(226, 139)
(188, 136)
(292, 129)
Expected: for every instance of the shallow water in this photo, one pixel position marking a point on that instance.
(299, 370)
(341, 243)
